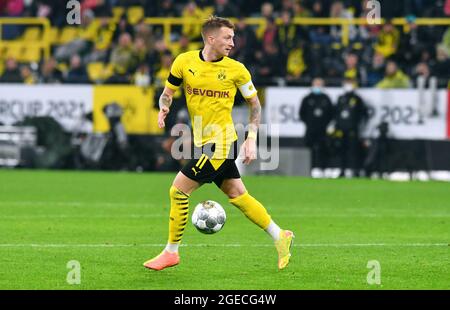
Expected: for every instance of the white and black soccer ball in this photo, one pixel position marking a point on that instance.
(209, 217)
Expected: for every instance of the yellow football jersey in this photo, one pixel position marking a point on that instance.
(210, 88)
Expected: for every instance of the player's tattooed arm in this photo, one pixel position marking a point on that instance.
(255, 116)
(249, 146)
(165, 101)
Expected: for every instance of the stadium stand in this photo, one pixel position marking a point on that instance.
(281, 41)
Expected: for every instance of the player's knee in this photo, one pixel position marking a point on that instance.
(233, 193)
(176, 193)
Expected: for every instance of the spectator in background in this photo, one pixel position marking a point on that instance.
(296, 65)
(445, 43)
(225, 8)
(318, 10)
(182, 46)
(421, 70)
(14, 7)
(316, 111)
(394, 77)
(50, 73)
(267, 10)
(367, 32)
(207, 6)
(193, 12)
(338, 10)
(162, 74)
(144, 32)
(27, 75)
(413, 41)
(441, 68)
(77, 73)
(287, 34)
(353, 71)
(11, 73)
(270, 33)
(350, 115)
(287, 5)
(99, 51)
(167, 9)
(155, 54)
(388, 40)
(300, 10)
(54, 10)
(375, 72)
(122, 58)
(140, 53)
(83, 42)
(319, 34)
(142, 76)
(122, 28)
(270, 65)
(3, 4)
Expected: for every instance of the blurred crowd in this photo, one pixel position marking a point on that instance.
(120, 48)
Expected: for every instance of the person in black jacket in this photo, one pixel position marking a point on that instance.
(316, 111)
(350, 114)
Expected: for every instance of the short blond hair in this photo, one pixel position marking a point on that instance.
(214, 23)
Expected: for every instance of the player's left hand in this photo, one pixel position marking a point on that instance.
(249, 149)
(162, 116)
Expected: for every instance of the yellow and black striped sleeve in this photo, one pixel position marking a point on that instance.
(176, 74)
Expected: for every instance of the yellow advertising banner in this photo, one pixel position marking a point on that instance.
(139, 117)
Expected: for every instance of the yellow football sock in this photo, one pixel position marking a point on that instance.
(252, 209)
(179, 209)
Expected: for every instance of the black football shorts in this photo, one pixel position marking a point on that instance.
(202, 171)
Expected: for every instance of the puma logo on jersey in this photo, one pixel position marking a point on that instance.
(191, 71)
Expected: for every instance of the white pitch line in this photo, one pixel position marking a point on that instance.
(349, 212)
(232, 245)
(152, 215)
(75, 204)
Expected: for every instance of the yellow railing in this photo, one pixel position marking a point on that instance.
(345, 23)
(43, 44)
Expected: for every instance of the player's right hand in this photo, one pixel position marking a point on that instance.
(162, 116)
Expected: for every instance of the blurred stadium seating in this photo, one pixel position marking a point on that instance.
(305, 32)
(282, 43)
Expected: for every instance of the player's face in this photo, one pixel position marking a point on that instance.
(223, 41)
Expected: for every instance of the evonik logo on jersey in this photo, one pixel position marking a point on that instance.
(207, 92)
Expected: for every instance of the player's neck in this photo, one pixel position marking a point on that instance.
(210, 55)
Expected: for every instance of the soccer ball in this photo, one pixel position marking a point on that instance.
(208, 217)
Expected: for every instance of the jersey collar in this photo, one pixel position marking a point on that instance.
(201, 57)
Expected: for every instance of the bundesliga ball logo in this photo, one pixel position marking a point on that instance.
(208, 217)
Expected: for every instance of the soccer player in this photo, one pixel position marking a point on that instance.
(211, 80)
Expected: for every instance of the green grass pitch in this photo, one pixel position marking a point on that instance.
(112, 222)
